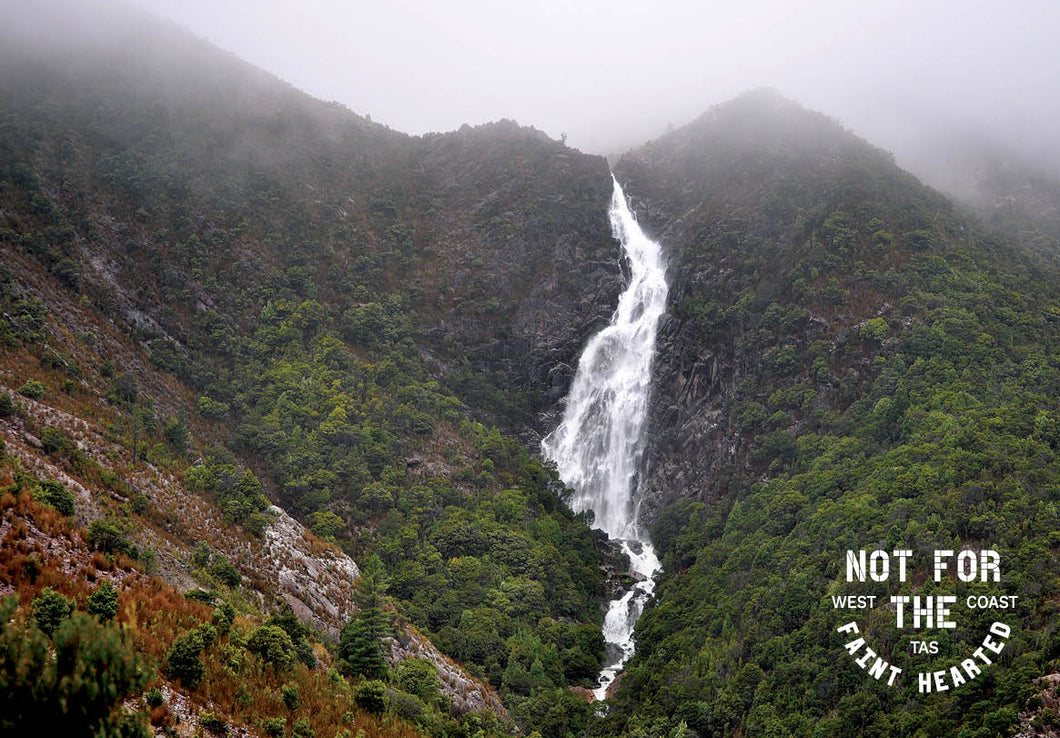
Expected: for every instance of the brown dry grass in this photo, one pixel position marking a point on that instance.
(156, 614)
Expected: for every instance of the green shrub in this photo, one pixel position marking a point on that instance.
(272, 644)
(211, 409)
(184, 662)
(54, 440)
(55, 494)
(140, 504)
(212, 723)
(289, 692)
(418, 677)
(204, 596)
(103, 603)
(32, 389)
(72, 685)
(50, 609)
(107, 536)
(225, 572)
(370, 696)
(201, 557)
(874, 330)
(406, 706)
(154, 697)
(208, 633)
(176, 433)
(301, 729)
(274, 727)
(7, 406)
(223, 617)
(52, 359)
(125, 389)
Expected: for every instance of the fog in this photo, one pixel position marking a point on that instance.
(926, 80)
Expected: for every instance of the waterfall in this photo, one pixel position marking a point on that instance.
(599, 443)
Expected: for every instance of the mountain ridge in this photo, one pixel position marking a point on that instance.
(827, 312)
(251, 291)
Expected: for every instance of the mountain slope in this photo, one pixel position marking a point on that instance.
(848, 363)
(215, 285)
(277, 300)
(175, 141)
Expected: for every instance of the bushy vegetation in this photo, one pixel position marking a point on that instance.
(299, 325)
(877, 391)
(56, 495)
(881, 373)
(71, 655)
(67, 679)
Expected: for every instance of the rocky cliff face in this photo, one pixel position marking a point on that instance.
(740, 200)
(522, 265)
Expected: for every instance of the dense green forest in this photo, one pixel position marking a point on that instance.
(265, 299)
(887, 377)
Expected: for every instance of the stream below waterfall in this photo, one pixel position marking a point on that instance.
(598, 445)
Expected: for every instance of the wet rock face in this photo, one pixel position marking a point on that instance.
(688, 430)
(530, 267)
(736, 199)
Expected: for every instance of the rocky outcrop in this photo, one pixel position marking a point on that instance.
(530, 267)
(314, 578)
(466, 693)
(1042, 720)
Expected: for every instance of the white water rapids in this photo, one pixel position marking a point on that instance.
(599, 443)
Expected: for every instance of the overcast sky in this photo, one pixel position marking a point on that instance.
(611, 73)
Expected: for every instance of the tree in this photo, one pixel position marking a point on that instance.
(50, 609)
(176, 432)
(273, 645)
(184, 661)
(361, 640)
(126, 389)
(103, 603)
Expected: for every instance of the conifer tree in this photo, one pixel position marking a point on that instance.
(361, 641)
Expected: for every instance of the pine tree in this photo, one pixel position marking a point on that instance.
(361, 641)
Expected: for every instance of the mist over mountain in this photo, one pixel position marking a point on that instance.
(251, 338)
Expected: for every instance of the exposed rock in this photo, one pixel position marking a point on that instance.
(466, 692)
(185, 714)
(309, 573)
(1041, 722)
(585, 694)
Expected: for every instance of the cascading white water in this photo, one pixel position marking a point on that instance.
(598, 445)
